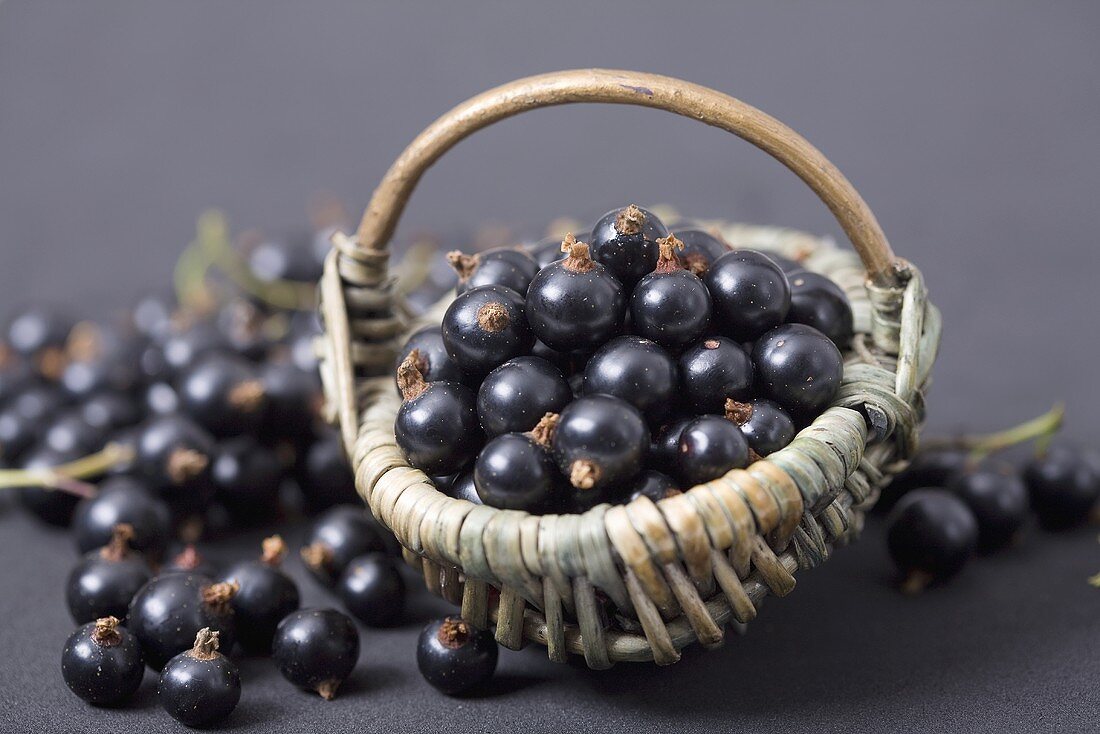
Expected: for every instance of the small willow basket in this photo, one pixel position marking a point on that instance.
(682, 569)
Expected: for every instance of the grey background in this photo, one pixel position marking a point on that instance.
(971, 129)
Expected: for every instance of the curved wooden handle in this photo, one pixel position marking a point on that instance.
(645, 90)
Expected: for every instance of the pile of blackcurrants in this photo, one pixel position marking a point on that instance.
(570, 374)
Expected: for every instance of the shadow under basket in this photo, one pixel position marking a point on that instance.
(640, 581)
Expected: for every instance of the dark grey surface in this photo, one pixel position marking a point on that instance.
(970, 129)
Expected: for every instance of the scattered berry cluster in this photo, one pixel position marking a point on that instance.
(569, 374)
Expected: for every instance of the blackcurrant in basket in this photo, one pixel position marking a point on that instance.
(200, 687)
(664, 450)
(436, 427)
(454, 657)
(654, 485)
(128, 500)
(189, 560)
(765, 425)
(316, 649)
(338, 536)
(514, 396)
(435, 364)
(224, 395)
(371, 588)
(246, 475)
(710, 446)
(575, 304)
(325, 475)
(175, 455)
(932, 468)
(819, 302)
(636, 370)
(931, 534)
(101, 663)
(51, 506)
(714, 370)
(169, 611)
(515, 471)
(485, 327)
(502, 266)
(671, 305)
(265, 595)
(701, 249)
(750, 292)
(105, 580)
(599, 445)
(1064, 485)
(463, 488)
(800, 368)
(997, 496)
(625, 242)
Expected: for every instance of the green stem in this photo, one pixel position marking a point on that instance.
(68, 477)
(1040, 429)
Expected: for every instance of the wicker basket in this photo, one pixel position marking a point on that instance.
(679, 570)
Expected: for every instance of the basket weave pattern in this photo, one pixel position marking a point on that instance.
(679, 570)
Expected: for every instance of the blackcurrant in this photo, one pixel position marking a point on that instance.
(750, 292)
(70, 433)
(435, 364)
(242, 324)
(701, 249)
(123, 499)
(514, 396)
(37, 329)
(265, 595)
(454, 657)
(671, 305)
(170, 609)
(800, 368)
(546, 251)
(463, 488)
(51, 506)
(182, 349)
(819, 302)
(246, 475)
(515, 471)
(636, 370)
(1064, 485)
(710, 446)
(654, 485)
(285, 258)
(200, 687)
(371, 588)
(935, 468)
(175, 455)
(325, 474)
(997, 496)
(625, 242)
(714, 370)
(189, 560)
(293, 400)
(599, 444)
(931, 534)
(101, 663)
(502, 266)
(575, 304)
(664, 451)
(105, 580)
(337, 537)
(316, 649)
(223, 394)
(485, 327)
(23, 419)
(110, 411)
(436, 427)
(765, 425)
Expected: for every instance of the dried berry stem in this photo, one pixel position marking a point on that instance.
(577, 258)
(630, 220)
(274, 550)
(493, 317)
(206, 644)
(217, 596)
(453, 632)
(543, 432)
(317, 556)
(738, 412)
(185, 464)
(464, 265)
(410, 378)
(583, 474)
(247, 396)
(118, 547)
(667, 259)
(327, 689)
(106, 631)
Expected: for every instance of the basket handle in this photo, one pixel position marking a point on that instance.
(634, 88)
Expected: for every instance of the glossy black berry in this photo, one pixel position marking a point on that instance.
(371, 588)
(750, 292)
(188, 559)
(1064, 485)
(503, 266)
(819, 302)
(927, 469)
(176, 457)
(931, 534)
(437, 427)
(765, 425)
(292, 400)
(246, 475)
(514, 396)
(599, 444)
(997, 496)
(325, 475)
(224, 395)
(664, 451)
(102, 664)
(454, 657)
(710, 446)
(337, 537)
(242, 324)
(546, 251)
(463, 488)
(110, 411)
(654, 485)
(485, 327)
(800, 368)
(37, 329)
(575, 304)
(265, 595)
(16, 376)
(23, 419)
(515, 471)
(105, 580)
(436, 365)
(53, 507)
(289, 257)
(701, 249)
(169, 611)
(70, 433)
(127, 500)
(714, 370)
(200, 687)
(183, 349)
(637, 370)
(671, 305)
(316, 649)
(625, 242)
